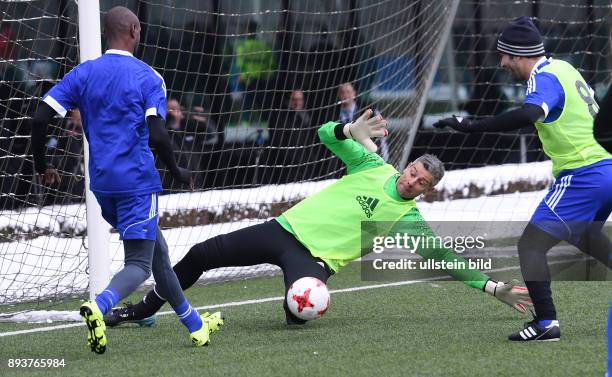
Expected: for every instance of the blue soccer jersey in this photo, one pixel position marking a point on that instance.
(115, 93)
(545, 90)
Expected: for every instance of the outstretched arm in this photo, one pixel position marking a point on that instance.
(508, 293)
(354, 155)
(524, 116)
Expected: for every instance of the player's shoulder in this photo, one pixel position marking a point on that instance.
(83, 67)
(147, 70)
(553, 68)
(546, 78)
(560, 63)
(149, 77)
(542, 80)
(80, 72)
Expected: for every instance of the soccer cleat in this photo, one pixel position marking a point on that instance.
(96, 338)
(215, 320)
(125, 315)
(201, 337)
(533, 331)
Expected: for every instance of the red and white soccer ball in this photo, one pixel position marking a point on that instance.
(308, 298)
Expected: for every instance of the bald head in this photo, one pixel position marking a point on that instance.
(122, 29)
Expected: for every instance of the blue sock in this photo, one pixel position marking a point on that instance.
(107, 299)
(544, 322)
(188, 316)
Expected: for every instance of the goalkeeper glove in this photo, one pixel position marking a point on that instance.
(510, 293)
(460, 124)
(365, 128)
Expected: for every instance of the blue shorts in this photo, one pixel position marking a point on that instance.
(580, 200)
(135, 217)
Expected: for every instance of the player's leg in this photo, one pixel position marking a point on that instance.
(137, 225)
(244, 247)
(533, 246)
(545, 230)
(567, 213)
(297, 262)
(133, 217)
(598, 246)
(168, 287)
(596, 243)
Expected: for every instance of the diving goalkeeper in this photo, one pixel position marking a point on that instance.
(322, 233)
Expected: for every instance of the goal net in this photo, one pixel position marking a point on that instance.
(248, 84)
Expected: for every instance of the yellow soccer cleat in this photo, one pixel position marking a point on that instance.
(96, 337)
(202, 336)
(215, 320)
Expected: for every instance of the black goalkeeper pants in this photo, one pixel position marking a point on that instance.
(263, 243)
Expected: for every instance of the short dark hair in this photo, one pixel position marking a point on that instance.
(433, 165)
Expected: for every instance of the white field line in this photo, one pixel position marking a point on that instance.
(279, 298)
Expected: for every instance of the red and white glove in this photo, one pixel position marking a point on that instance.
(365, 128)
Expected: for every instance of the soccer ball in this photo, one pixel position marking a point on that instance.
(308, 298)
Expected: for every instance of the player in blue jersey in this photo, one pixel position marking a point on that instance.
(123, 106)
(561, 105)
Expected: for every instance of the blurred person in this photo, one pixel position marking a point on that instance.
(293, 139)
(347, 98)
(67, 155)
(350, 108)
(256, 67)
(190, 132)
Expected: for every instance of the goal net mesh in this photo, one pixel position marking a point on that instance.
(249, 82)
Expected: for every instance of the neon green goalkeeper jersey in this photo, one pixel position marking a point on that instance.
(328, 223)
(568, 141)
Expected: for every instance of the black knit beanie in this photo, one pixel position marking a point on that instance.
(521, 38)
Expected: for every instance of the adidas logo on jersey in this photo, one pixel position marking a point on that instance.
(367, 204)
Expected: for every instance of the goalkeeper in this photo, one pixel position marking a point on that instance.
(321, 234)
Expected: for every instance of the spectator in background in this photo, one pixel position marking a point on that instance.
(288, 124)
(67, 148)
(189, 133)
(293, 138)
(256, 67)
(347, 97)
(175, 117)
(350, 110)
(16, 172)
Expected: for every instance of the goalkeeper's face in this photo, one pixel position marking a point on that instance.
(414, 181)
